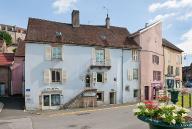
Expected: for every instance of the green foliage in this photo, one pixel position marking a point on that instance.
(6, 36)
(169, 114)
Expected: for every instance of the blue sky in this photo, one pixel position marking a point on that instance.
(133, 14)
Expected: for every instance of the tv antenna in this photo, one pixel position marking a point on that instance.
(107, 10)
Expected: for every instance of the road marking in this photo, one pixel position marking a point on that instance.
(90, 110)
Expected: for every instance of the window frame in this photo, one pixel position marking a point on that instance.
(155, 59)
(135, 93)
(60, 75)
(57, 56)
(135, 55)
(98, 53)
(102, 77)
(102, 96)
(156, 75)
(135, 74)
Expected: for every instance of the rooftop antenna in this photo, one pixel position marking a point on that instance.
(107, 10)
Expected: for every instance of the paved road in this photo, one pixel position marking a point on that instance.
(110, 118)
(116, 118)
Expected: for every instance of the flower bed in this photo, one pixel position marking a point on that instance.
(163, 98)
(170, 116)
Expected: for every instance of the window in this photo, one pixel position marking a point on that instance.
(135, 74)
(100, 56)
(156, 75)
(100, 96)
(99, 77)
(178, 59)
(56, 52)
(135, 93)
(3, 28)
(155, 59)
(56, 75)
(135, 55)
(170, 83)
(177, 72)
(55, 99)
(46, 100)
(170, 70)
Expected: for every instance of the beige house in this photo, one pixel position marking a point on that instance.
(172, 65)
(18, 34)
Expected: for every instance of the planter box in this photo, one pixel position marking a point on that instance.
(156, 124)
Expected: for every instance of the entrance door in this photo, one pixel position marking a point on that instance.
(112, 96)
(51, 101)
(87, 81)
(146, 92)
(46, 102)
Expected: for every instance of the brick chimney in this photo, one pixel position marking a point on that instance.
(75, 18)
(107, 22)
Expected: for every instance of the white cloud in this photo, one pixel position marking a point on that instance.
(62, 6)
(186, 44)
(162, 17)
(168, 4)
(185, 16)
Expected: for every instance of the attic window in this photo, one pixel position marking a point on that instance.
(58, 34)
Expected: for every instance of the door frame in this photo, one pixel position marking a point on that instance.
(50, 107)
(114, 97)
(146, 91)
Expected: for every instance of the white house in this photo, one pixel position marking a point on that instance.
(74, 65)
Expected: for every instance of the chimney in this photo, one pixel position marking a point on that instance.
(107, 22)
(75, 18)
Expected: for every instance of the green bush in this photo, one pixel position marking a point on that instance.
(7, 37)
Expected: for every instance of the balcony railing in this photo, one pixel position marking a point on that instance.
(95, 63)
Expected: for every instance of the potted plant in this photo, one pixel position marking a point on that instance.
(163, 116)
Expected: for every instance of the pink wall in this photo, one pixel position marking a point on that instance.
(17, 75)
(151, 42)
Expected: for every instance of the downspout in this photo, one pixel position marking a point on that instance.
(122, 76)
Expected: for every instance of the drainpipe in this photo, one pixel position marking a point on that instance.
(122, 75)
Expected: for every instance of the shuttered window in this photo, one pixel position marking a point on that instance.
(135, 74)
(130, 74)
(53, 53)
(56, 52)
(135, 55)
(177, 72)
(100, 57)
(156, 75)
(56, 75)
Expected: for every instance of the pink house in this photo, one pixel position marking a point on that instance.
(151, 60)
(18, 70)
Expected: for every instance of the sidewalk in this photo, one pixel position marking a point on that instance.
(52, 113)
(1, 106)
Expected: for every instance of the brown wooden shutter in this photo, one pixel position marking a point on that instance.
(48, 53)
(94, 77)
(47, 76)
(105, 77)
(64, 76)
(93, 60)
(107, 57)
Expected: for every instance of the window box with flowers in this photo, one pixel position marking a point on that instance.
(163, 116)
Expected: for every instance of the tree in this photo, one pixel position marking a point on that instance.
(7, 37)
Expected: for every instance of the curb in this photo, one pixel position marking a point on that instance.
(1, 106)
(88, 110)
